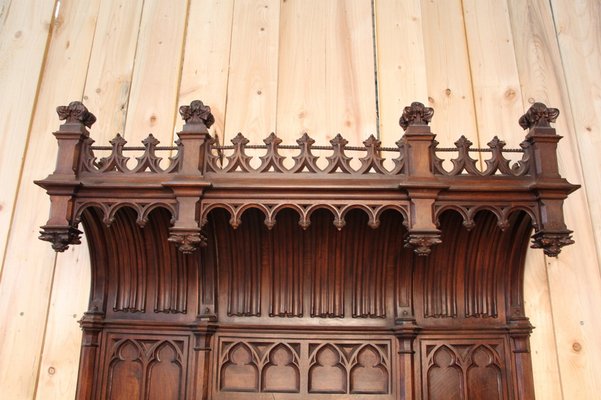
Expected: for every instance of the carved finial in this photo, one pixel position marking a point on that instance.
(538, 116)
(416, 114)
(305, 139)
(197, 113)
(240, 140)
(272, 139)
(76, 112)
(338, 141)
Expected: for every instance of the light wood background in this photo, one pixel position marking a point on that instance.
(290, 66)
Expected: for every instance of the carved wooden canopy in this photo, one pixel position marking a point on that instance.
(469, 211)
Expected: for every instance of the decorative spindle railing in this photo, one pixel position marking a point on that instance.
(416, 178)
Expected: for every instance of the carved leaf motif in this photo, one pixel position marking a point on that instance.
(76, 112)
(422, 242)
(416, 114)
(197, 113)
(538, 116)
(188, 242)
(551, 242)
(61, 237)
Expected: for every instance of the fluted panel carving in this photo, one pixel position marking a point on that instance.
(480, 275)
(241, 257)
(170, 267)
(129, 268)
(287, 263)
(440, 282)
(327, 263)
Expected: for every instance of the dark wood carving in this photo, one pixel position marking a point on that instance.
(306, 271)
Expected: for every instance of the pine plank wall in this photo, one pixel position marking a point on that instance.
(290, 66)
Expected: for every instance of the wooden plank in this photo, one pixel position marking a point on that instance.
(29, 263)
(448, 71)
(152, 102)
(24, 31)
(498, 101)
(106, 93)
(253, 76)
(350, 77)
(578, 27)
(401, 63)
(111, 66)
(206, 58)
(495, 80)
(326, 81)
(301, 101)
(574, 279)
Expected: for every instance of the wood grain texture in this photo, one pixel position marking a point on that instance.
(495, 81)
(401, 62)
(107, 86)
(156, 71)
(574, 280)
(448, 71)
(253, 72)
(529, 23)
(24, 33)
(498, 99)
(577, 26)
(205, 65)
(23, 313)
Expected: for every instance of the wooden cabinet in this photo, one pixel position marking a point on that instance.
(350, 277)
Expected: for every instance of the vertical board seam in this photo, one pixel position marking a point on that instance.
(133, 67)
(227, 79)
(28, 136)
(469, 63)
(180, 72)
(375, 48)
(573, 126)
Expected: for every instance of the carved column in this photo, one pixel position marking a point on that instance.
(199, 383)
(421, 186)
(552, 234)
(519, 333)
(189, 184)
(62, 184)
(91, 325)
(406, 335)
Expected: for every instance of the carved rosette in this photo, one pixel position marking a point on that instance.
(187, 241)
(76, 113)
(416, 114)
(538, 116)
(551, 242)
(60, 237)
(422, 243)
(197, 113)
